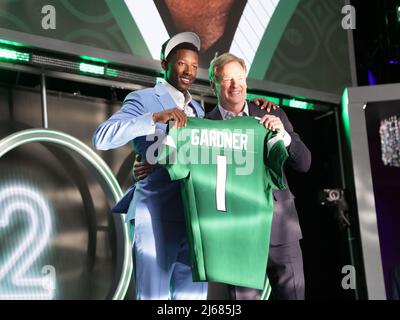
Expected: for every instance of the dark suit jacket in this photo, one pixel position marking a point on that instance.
(285, 222)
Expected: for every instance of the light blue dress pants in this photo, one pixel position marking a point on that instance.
(162, 262)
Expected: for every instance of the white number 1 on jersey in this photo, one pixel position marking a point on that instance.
(221, 183)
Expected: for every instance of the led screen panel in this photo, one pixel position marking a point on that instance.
(288, 42)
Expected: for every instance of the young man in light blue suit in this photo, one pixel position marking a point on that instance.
(162, 261)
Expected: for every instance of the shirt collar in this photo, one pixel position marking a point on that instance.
(179, 97)
(227, 114)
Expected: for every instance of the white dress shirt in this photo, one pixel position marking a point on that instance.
(181, 100)
(245, 112)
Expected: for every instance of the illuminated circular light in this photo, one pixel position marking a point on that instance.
(115, 193)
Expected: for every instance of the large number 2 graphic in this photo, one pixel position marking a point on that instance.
(220, 189)
(24, 199)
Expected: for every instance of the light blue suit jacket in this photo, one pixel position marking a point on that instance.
(156, 195)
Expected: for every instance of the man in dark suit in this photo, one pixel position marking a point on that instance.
(285, 263)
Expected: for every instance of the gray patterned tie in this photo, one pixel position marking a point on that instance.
(230, 115)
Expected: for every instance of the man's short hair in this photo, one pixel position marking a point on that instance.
(219, 62)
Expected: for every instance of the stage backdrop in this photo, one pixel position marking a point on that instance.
(297, 42)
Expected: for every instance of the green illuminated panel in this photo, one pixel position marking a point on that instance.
(111, 72)
(251, 96)
(90, 68)
(12, 43)
(94, 59)
(345, 115)
(293, 103)
(7, 54)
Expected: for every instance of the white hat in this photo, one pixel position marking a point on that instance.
(183, 37)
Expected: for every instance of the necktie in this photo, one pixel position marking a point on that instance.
(230, 115)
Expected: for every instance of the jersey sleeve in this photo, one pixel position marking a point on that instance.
(169, 156)
(276, 155)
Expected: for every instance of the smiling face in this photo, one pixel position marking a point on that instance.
(181, 68)
(231, 86)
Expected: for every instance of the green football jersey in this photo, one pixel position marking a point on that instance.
(228, 169)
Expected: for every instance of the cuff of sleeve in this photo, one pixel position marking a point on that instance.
(158, 125)
(162, 126)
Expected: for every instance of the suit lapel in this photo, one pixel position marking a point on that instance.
(214, 114)
(164, 97)
(197, 107)
(255, 111)
(167, 102)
